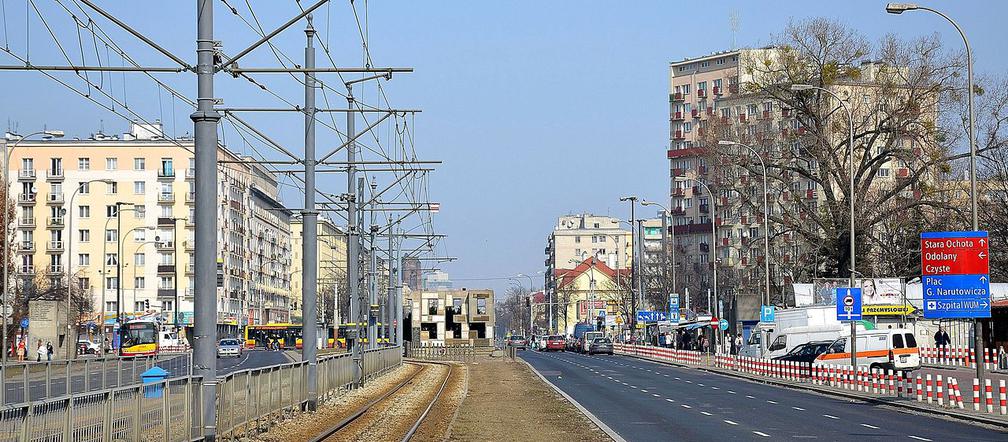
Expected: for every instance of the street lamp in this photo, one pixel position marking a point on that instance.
(70, 231)
(531, 318)
(46, 134)
(898, 8)
(666, 216)
(766, 217)
(850, 158)
(713, 211)
(634, 265)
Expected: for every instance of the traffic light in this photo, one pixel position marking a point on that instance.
(528, 301)
(599, 323)
(147, 304)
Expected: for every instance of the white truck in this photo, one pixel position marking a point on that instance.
(793, 327)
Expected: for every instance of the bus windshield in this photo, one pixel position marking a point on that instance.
(137, 333)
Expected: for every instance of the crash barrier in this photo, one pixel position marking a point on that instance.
(963, 357)
(937, 390)
(441, 352)
(168, 410)
(31, 381)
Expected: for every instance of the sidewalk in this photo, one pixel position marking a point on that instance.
(966, 414)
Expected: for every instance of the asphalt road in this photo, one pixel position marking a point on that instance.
(644, 401)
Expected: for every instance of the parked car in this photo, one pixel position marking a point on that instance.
(517, 341)
(229, 347)
(86, 347)
(806, 353)
(600, 345)
(890, 349)
(541, 343)
(556, 343)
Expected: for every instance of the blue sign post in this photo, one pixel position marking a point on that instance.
(955, 269)
(674, 308)
(848, 305)
(24, 322)
(723, 324)
(766, 313)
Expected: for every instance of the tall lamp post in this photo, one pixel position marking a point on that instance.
(531, 317)
(899, 8)
(70, 272)
(46, 134)
(713, 232)
(850, 195)
(634, 265)
(766, 218)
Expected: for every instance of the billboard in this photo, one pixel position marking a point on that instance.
(875, 291)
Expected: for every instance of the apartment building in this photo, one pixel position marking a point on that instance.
(79, 200)
(708, 99)
(451, 317)
(332, 269)
(575, 238)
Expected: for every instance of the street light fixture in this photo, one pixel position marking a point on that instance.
(850, 158)
(766, 217)
(46, 134)
(898, 8)
(70, 231)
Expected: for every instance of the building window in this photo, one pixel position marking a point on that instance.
(111, 163)
(83, 259)
(883, 172)
(84, 163)
(111, 211)
(140, 211)
(704, 64)
(481, 306)
(139, 187)
(110, 306)
(139, 282)
(84, 235)
(166, 167)
(577, 239)
(139, 259)
(140, 235)
(139, 164)
(111, 235)
(85, 188)
(432, 306)
(139, 306)
(84, 211)
(111, 259)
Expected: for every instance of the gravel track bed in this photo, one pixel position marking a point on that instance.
(437, 423)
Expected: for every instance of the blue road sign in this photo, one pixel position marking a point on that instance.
(651, 316)
(674, 308)
(723, 324)
(956, 296)
(24, 322)
(848, 305)
(766, 313)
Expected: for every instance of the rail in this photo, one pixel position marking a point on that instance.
(166, 410)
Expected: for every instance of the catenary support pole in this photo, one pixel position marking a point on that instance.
(309, 234)
(399, 295)
(390, 290)
(205, 120)
(353, 244)
(372, 313)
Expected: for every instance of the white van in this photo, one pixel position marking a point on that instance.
(764, 343)
(894, 349)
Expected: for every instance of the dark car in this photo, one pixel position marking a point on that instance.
(806, 352)
(517, 341)
(600, 346)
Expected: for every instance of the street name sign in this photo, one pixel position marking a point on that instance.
(848, 305)
(955, 273)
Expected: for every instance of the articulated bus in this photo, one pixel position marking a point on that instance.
(285, 334)
(139, 337)
(344, 329)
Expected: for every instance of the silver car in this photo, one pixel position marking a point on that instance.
(229, 347)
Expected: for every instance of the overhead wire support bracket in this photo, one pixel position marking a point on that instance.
(225, 65)
(275, 70)
(317, 110)
(140, 35)
(33, 67)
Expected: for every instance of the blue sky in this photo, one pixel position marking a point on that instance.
(537, 109)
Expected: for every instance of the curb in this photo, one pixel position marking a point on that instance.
(970, 419)
(609, 431)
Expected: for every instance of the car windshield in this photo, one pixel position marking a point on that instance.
(797, 350)
(229, 342)
(601, 340)
(555, 338)
(517, 338)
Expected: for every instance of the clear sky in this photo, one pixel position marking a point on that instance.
(537, 109)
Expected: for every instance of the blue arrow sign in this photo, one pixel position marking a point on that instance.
(674, 308)
(767, 313)
(848, 303)
(723, 324)
(956, 296)
(24, 322)
(651, 316)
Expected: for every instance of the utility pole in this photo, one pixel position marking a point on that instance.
(309, 233)
(633, 264)
(399, 296)
(390, 290)
(205, 141)
(353, 243)
(372, 329)
(640, 255)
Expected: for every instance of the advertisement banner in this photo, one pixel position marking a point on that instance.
(875, 291)
(583, 306)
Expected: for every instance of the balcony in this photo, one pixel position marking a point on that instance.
(54, 198)
(677, 116)
(717, 90)
(165, 293)
(26, 246)
(190, 173)
(54, 268)
(744, 220)
(710, 111)
(784, 132)
(166, 174)
(166, 246)
(801, 131)
(54, 175)
(480, 318)
(809, 194)
(26, 269)
(26, 222)
(166, 198)
(688, 152)
(678, 192)
(678, 96)
(732, 88)
(166, 269)
(678, 135)
(785, 112)
(701, 93)
(695, 113)
(704, 208)
(54, 246)
(27, 198)
(55, 221)
(190, 269)
(26, 174)
(903, 172)
(765, 115)
(190, 197)
(742, 118)
(189, 245)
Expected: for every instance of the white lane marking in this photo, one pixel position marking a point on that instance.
(798, 408)
(700, 385)
(750, 397)
(689, 381)
(686, 406)
(655, 395)
(831, 417)
(666, 375)
(677, 378)
(633, 386)
(771, 402)
(761, 434)
(731, 392)
(643, 390)
(920, 438)
(730, 422)
(869, 426)
(705, 413)
(670, 400)
(715, 388)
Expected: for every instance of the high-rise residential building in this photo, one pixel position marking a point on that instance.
(575, 238)
(332, 270)
(116, 213)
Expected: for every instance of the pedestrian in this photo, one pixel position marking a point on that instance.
(49, 350)
(21, 350)
(942, 341)
(41, 351)
(738, 343)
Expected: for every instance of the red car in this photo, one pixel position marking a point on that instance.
(555, 342)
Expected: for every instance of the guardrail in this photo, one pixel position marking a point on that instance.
(247, 401)
(963, 357)
(442, 352)
(30, 381)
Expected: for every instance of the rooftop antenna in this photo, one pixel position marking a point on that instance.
(733, 24)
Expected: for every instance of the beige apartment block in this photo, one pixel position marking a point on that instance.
(451, 317)
(332, 268)
(78, 199)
